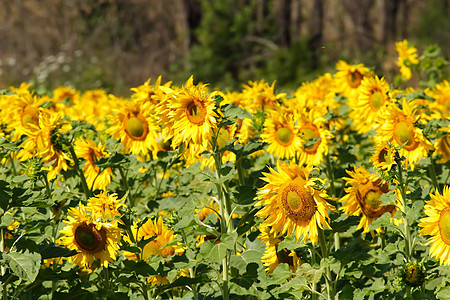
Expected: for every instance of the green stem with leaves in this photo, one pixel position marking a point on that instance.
(76, 162)
(433, 175)
(325, 252)
(126, 186)
(407, 235)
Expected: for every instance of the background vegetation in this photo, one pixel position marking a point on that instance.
(117, 44)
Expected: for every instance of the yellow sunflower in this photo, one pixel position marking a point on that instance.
(363, 196)
(383, 157)
(45, 142)
(107, 206)
(406, 56)
(397, 126)
(146, 93)
(158, 246)
(93, 239)
(441, 93)
(91, 153)
(349, 78)
(273, 256)
(373, 98)
(442, 145)
(187, 115)
(292, 204)
(314, 138)
(281, 133)
(260, 96)
(437, 224)
(133, 124)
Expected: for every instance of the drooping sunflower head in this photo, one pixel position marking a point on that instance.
(363, 197)
(437, 225)
(133, 124)
(94, 240)
(407, 56)
(91, 153)
(149, 93)
(281, 133)
(292, 205)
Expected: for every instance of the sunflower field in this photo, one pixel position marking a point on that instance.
(337, 190)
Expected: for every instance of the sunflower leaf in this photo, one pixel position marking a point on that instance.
(114, 160)
(24, 265)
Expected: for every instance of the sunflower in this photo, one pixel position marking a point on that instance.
(383, 157)
(146, 93)
(281, 133)
(407, 56)
(47, 143)
(397, 127)
(150, 229)
(442, 144)
(363, 196)
(24, 116)
(107, 206)
(260, 96)
(91, 153)
(437, 224)
(273, 256)
(441, 93)
(91, 238)
(187, 115)
(314, 138)
(133, 124)
(373, 98)
(349, 78)
(292, 204)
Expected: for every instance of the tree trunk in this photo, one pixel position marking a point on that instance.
(284, 23)
(316, 30)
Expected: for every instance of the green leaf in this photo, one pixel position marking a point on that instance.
(24, 265)
(141, 268)
(311, 274)
(250, 276)
(232, 111)
(52, 251)
(114, 160)
(245, 195)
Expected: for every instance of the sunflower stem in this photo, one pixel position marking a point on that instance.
(76, 162)
(325, 252)
(240, 172)
(408, 245)
(226, 225)
(13, 164)
(126, 186)
(433, 174)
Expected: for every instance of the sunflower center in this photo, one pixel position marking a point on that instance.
(136, 128)
(283, 257)
(285, 136)
(196, 112)
(298, 203)
(372, 199)
(376, 100)
(385, 156)
(411, 274)
(354, 79)
(308, 134)
(403, 134)
(444, 225)
(167, 251)
(89, 239)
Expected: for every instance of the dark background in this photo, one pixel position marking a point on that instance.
(119, 44)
